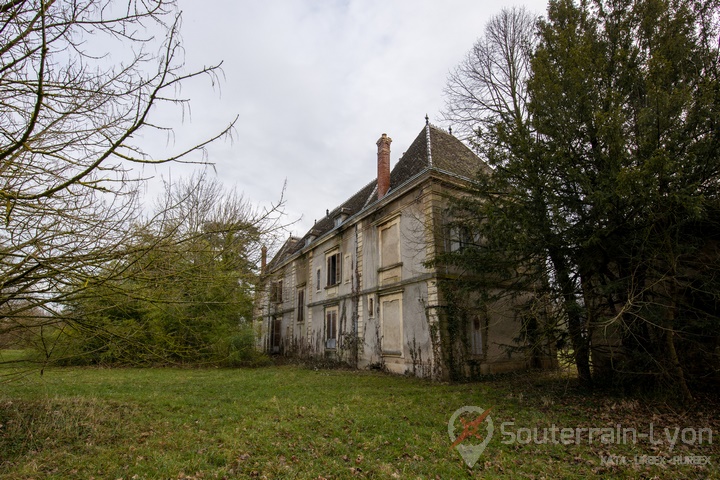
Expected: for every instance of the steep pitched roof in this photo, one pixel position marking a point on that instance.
(287, 249)
(432, 148)
(446, 153)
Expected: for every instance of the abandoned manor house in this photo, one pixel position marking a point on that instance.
(359, 286)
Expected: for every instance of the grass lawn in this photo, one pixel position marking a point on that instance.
(293, 422)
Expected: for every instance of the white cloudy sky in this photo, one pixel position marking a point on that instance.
(314, 84)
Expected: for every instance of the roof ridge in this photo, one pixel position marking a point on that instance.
(429, 144)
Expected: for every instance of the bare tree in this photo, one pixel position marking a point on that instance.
(69, 128)
(488, 87)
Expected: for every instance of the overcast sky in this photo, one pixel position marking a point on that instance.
(314, 84)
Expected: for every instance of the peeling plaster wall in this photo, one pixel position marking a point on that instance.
(419, 352)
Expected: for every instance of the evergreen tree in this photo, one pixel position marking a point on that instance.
(614, 186)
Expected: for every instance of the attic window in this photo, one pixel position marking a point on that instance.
(311, 236)
(341, 216)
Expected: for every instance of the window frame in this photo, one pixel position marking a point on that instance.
(276, 291)
(331, 327)
(393, 223)
(300, 314)
(400, 324)
(476, 337)
(459, 237)
(333, 269)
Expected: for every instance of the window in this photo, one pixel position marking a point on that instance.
(331, 316)
(389, 244)
(301, 305)
(301, 271)
(391, 324)
(275, 334)
(317, 279)
(461, 237)
(333, 269)
(276, 292)
(371, 307)
(476, 347)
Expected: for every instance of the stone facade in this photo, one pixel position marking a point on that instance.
(357, 287)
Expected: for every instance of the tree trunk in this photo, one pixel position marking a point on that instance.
(677, 374)
(579, 335)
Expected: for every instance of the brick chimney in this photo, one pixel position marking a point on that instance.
(383, 161)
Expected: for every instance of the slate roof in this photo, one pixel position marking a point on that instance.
(446, 153)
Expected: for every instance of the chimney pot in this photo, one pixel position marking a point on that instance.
(383, 165)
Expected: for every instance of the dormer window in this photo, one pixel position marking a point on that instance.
(341, 216)
(312, 235)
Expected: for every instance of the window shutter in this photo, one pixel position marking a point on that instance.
(338, 268)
